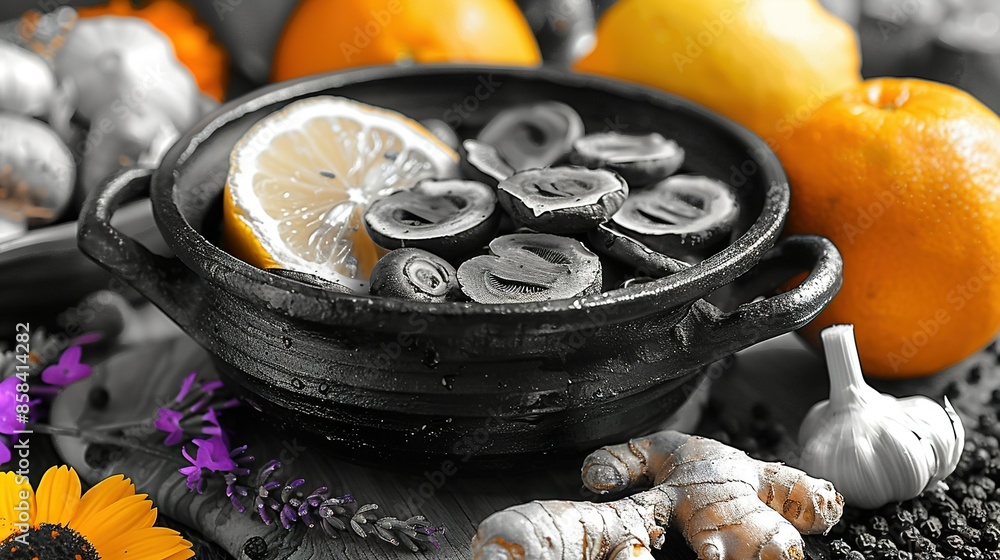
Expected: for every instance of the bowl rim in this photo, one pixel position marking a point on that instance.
(221, 268)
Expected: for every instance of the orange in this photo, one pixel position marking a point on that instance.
(904, 177)
(301, 178)
(191, 38)
(763, 63)
(324, 35)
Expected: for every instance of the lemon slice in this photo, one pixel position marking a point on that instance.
(300, 180)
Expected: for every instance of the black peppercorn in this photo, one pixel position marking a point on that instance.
(865, 542)
(972, 553)
(952, 391)
(970, 503)
(885, 549)
(932, 527)
(987, 484)
(992, 510)
(982, 458)
(975, 374)
(923, 544)
(878, 525)
(840, 549)
(991, 535)
(977, 492)
(920, 512)
(953, 543)
(903, 517)
(255, 548)
(955, 523)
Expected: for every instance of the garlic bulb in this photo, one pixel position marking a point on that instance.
(37, 171)
(874, 447)
(122, 63)
(27, 84)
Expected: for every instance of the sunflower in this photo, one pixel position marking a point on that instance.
(109, 522)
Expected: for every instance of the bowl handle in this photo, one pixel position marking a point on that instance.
(170, 285)
(720, 333)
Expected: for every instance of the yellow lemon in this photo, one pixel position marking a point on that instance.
(300, 180)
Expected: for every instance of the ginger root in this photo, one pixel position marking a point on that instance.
(727, 505)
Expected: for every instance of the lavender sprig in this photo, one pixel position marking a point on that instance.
(195, 412)
(288, 502)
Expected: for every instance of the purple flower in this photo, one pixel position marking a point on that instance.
(211, 424)
(88, 338)
(169, 421)
(186, 386)
(68, 370)
(176, 424)
(9, 419)
(213, 456)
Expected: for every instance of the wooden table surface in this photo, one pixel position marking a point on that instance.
(784, 372)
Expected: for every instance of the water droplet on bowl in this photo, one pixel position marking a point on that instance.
(324, 388)
(448, 381)
(431, 358)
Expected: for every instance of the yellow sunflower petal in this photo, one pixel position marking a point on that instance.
(58, 496)
(127, 514)
(102, 495)
(151, 543)
(11, 487)
(183, 555)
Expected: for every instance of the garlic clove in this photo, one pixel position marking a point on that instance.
(943, 433)
(874, 447)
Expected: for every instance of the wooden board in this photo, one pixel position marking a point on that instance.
(783, 372)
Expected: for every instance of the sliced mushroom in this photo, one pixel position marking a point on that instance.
(451, 218)
(442, 131)
(533, 135)
(640, 159)
(310, 280)
(414, 274)
(562, 199)
(486, 161)
(685, 216)
(526, 267)
(644, 261)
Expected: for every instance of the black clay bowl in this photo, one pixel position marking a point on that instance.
(406, 383)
